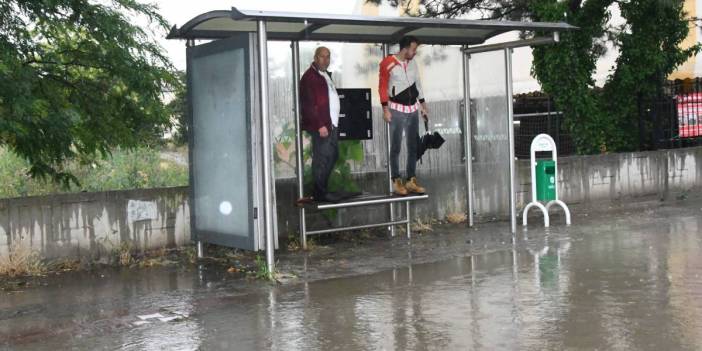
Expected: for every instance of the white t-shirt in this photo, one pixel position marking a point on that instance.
(334, 103)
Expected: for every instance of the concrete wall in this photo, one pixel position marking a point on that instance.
(92, 225)
(617, 176)
(582, 179)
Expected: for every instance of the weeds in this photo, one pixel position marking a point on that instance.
(66, 265)
(294, 244)
(421, 227)
(190, 253)
(683, 195)
(124, 253)
(156, 258)
(262, 271)
(21, 261)
(365, 234)
(456, 217)
(312, 244)
(124, 169)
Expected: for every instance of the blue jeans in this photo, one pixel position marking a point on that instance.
(409, 124)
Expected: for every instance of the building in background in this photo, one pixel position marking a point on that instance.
(693, 67)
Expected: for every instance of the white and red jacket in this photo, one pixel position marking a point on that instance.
(399, 85)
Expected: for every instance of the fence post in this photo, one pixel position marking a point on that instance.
(656, 125)
(641, 121)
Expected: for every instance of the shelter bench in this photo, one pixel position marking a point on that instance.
(367, 200)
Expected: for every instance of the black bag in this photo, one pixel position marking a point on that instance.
(428, 141)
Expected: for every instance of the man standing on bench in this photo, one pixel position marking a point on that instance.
(320, 107)
(402, 99)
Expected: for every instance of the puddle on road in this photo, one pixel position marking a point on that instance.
(621, 285)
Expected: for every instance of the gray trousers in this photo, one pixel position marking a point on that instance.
(325, 152)
(409, 124)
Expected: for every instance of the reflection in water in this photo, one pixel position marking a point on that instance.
(600, 286)
(552, 291)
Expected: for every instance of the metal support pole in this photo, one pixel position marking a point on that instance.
(386, 52)
(468, 137)
(200, 250)
(510, 133)
(265, 140)
(300, 163)
(198, 244)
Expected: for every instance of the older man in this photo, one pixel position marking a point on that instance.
(320, 108)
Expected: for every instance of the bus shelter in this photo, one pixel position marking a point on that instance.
(232, 192)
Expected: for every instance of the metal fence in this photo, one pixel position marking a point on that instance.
(535, 114)
(673, 118)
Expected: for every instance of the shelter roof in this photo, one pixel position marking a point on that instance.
(351, 28)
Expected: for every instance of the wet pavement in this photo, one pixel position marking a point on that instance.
(624, 278)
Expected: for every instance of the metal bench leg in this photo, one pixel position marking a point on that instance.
(303, 229)
(200, 250)
(392, 219)
(409, 222)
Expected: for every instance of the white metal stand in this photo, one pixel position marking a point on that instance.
(544, 143)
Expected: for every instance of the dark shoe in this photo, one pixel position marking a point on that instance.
(328, 197)
(303, 201)
(348, 194)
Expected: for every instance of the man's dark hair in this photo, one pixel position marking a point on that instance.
(407, 40)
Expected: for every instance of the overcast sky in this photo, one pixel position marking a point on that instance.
(179, 12)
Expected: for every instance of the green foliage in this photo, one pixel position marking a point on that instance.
(178, 110)
(262, 270)
(78, 79)
(607, 119)
(650, 52)
(565, 70)
(341, 177)
(125, 169)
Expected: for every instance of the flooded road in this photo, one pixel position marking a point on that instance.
(626, 280)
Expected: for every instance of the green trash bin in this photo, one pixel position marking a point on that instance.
(545, 180)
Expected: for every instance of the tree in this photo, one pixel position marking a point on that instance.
(178, 109)
(78, 78)
(650, 51)
(565, 71)
(486, 9)
(649, 45)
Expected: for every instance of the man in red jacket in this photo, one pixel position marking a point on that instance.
(403, 100)
(320, 107)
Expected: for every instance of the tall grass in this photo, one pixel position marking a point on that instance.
(21, 261)
(125, 169)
